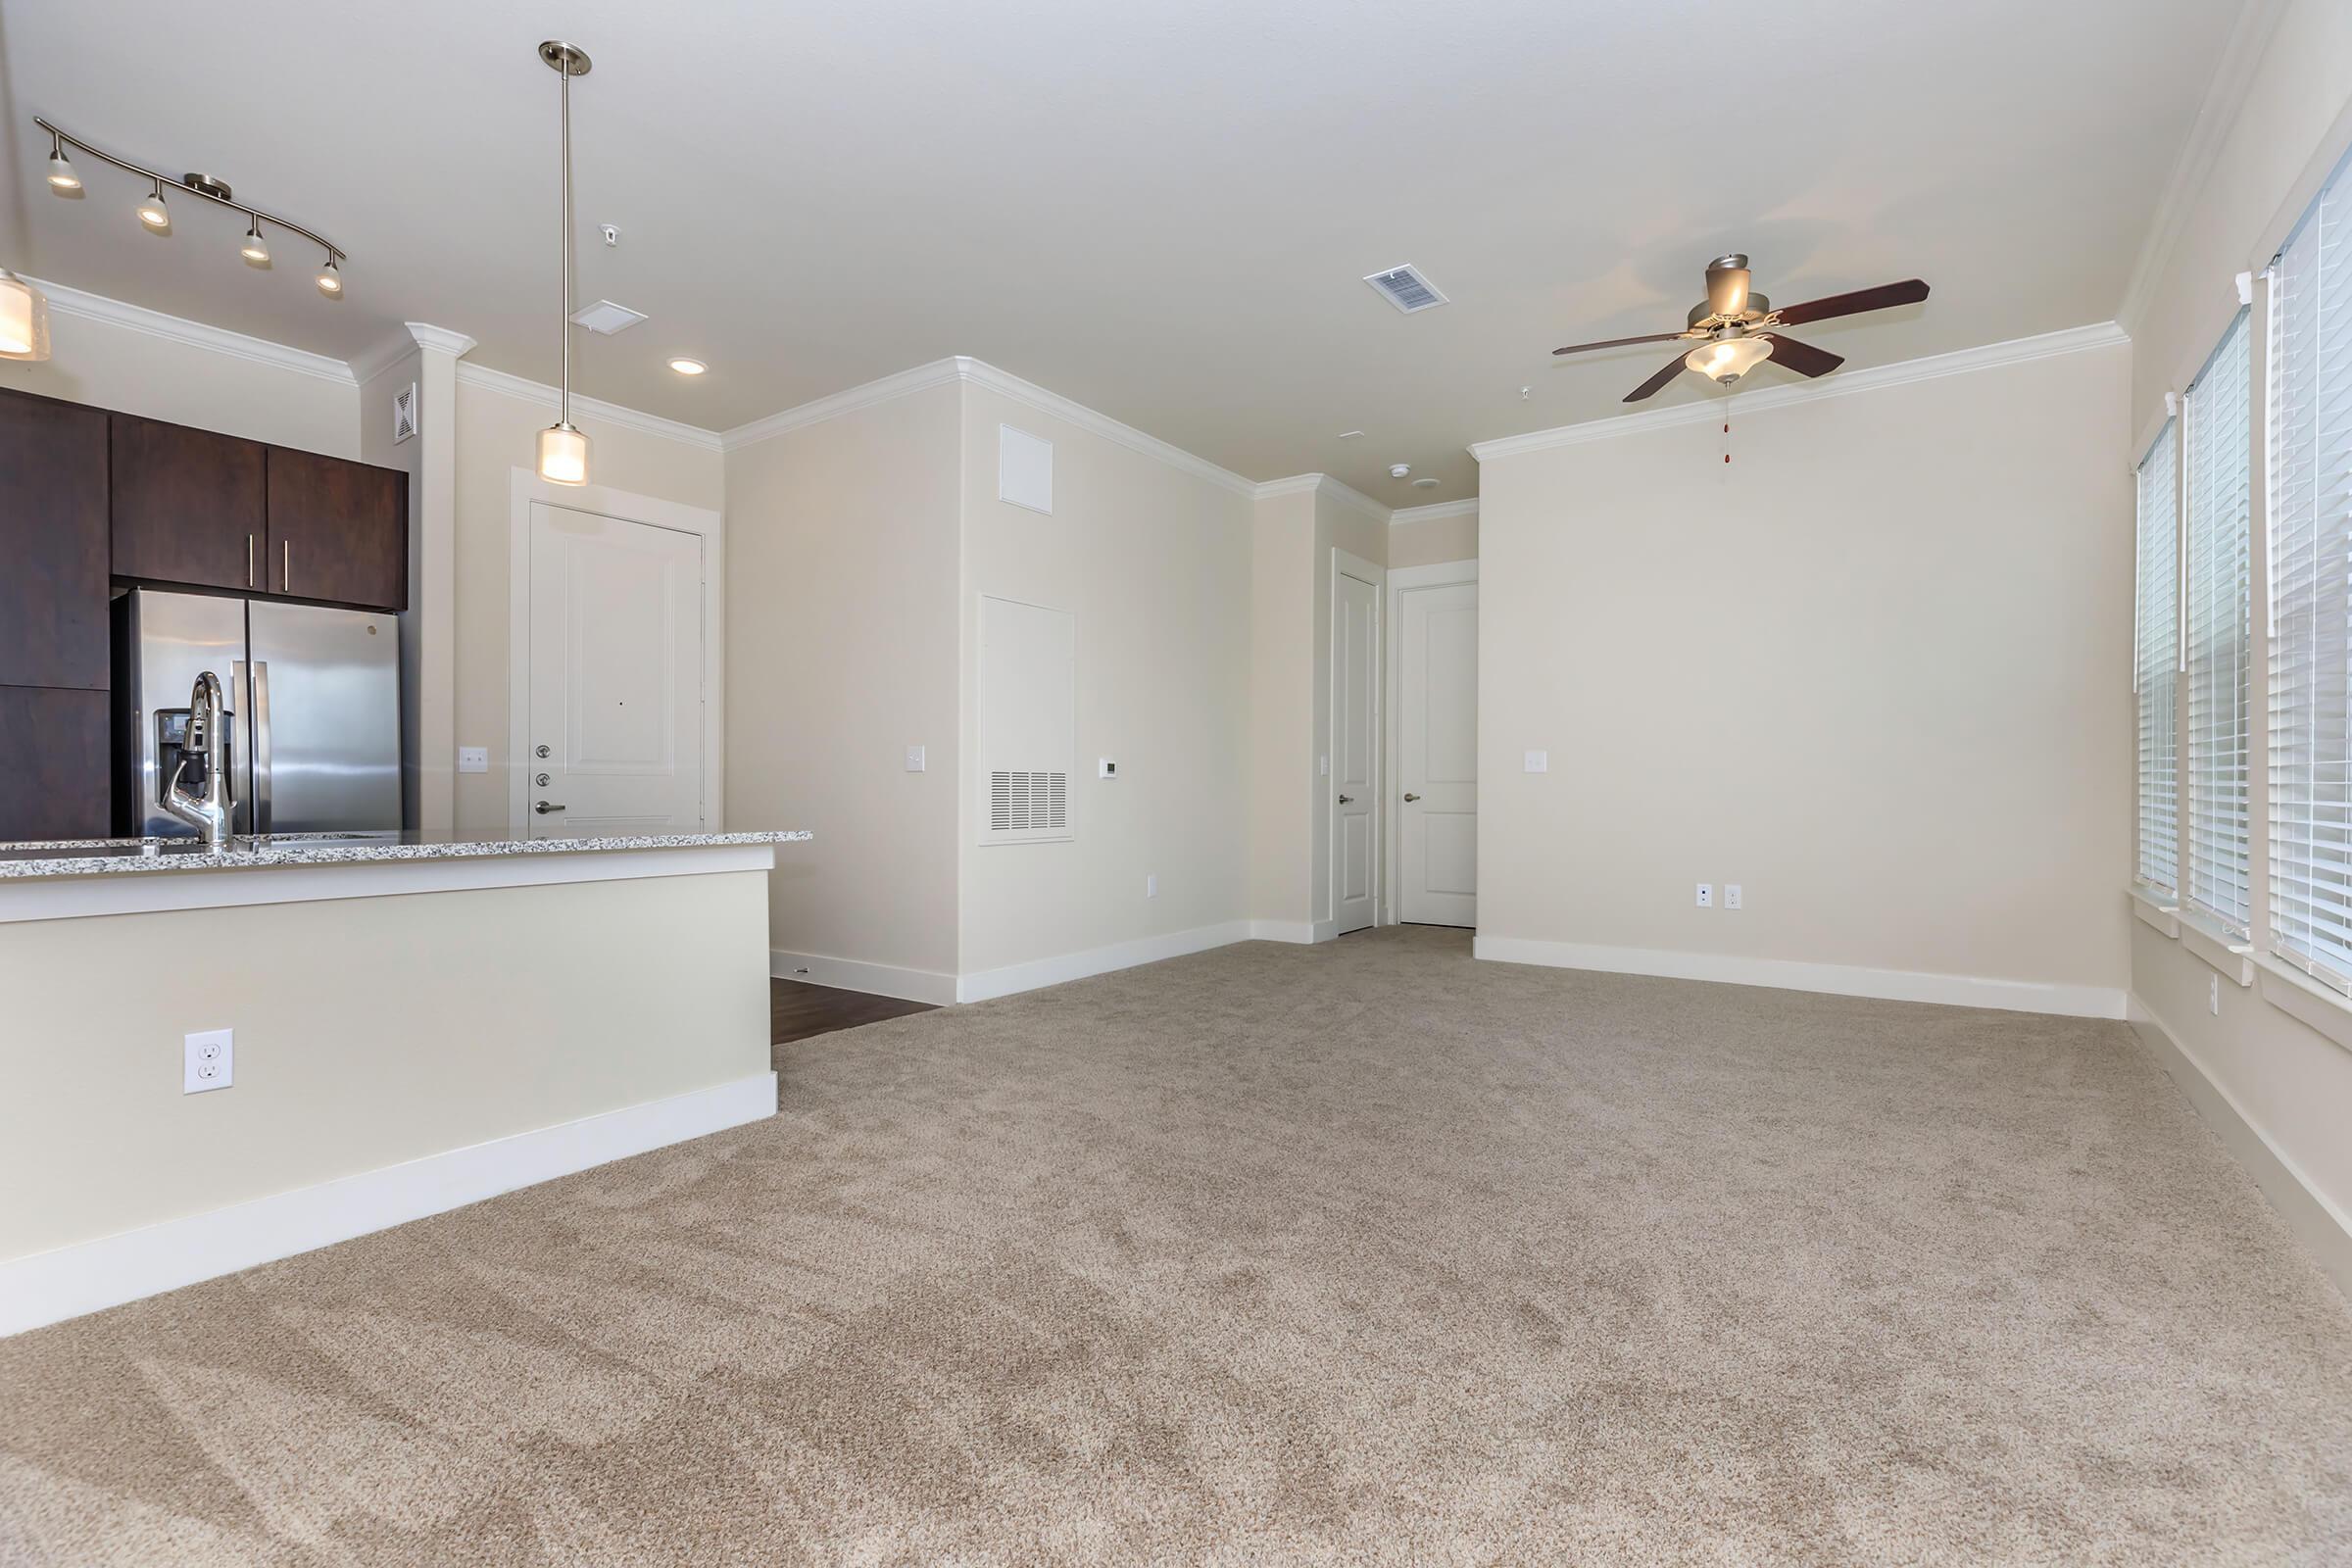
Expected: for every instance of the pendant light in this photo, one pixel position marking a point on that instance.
(24, 319)
(62, 177)
(153, 212)
(563, 449)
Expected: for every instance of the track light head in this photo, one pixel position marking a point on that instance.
(330, 280)
(255, 249)
(61, 178)
(153, 212)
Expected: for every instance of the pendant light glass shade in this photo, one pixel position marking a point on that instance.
(330, 279)
(60, 173)
(23, 319)
(1727, 360)
(562, 455)
(255, 249)
(153, 212)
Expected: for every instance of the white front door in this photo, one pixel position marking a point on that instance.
(1354, 750)
(1436, 753)
(614, 738)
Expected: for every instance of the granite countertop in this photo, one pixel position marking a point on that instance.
(91, 856)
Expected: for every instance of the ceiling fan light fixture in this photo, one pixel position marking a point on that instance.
(1727, 358)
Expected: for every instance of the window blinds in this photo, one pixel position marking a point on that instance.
(2310, 433)
(2215, 436)
(2157, 658)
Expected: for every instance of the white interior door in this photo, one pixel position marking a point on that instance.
(614, 739)
(1355, 750)
(1436, 753)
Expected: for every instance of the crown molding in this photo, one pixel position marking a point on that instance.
(539, 392)
(369, 364)
(1436, 511)
(1872, 379)
(2217, 116)
(1322, 484)
(904, 384)
(73, 301)
(457, 345)
(979, 373)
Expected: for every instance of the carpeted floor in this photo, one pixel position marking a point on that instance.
(1359, 1253)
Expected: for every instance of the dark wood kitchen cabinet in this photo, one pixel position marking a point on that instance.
(58, 783)
(189, 505)
(53, 544)
(339, 530)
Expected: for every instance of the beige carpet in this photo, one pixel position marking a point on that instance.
(1359, 1253)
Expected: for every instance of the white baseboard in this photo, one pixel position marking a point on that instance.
(2316, 1222)
(1836, 979)
(876, 979)
(87, 1276)
(1055, 971)
(1298, 931)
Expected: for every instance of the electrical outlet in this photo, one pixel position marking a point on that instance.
(208, 1060)
(914, 758)
(1731, 895)
(1151, 885)
(1539, 761)
(474, 759)
(1706, 894)
(1104, 767)
(2213, 998)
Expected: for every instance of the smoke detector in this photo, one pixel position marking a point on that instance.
(1406, 288)
(1398, 471)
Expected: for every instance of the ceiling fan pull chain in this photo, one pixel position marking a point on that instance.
(1727, 438)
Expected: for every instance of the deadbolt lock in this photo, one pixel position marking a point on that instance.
(539, 750)
(542, 780)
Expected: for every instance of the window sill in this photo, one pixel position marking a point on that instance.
(2225, 951)
(2297, 995)
(2160, 910)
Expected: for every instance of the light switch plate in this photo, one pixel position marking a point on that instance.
(208, 1060)
(474, 759)
(1104, 767)
(914, 758)
(1539, 761)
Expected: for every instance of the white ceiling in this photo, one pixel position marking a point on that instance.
(1160, 209)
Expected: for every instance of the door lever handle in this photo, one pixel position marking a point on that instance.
(545, 807)
(1409, 795)
(1345, 800)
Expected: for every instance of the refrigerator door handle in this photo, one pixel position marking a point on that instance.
(260, 746)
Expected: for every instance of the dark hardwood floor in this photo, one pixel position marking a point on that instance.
(796, 1010)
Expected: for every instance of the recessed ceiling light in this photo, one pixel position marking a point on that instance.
(1425, 483)
(687, 367)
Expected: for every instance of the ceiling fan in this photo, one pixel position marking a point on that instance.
(1735, 330)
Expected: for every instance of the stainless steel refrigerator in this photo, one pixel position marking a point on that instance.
(313, 695)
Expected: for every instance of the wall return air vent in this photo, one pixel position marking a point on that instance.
(1406, 288)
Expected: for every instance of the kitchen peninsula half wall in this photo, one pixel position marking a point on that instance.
(414, 1024)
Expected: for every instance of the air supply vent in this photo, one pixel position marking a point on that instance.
(1406, 288)
(607, 317)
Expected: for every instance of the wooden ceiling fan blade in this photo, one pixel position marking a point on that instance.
(1672, 368)
(1618, 342)
(1887, 295)
(1802, 357)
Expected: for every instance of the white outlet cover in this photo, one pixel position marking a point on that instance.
(1731, 895)
(1104, 767)
(1539, 761)
(914, 758)
(208, 1060)
(1706, 894)
(1151, 885)
(474, 759)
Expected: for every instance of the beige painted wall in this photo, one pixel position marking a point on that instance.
(1154, 564)
(842, 648)
(1874, 673)
(1430, 543)
(1283, 750)
(497, 433)
(540, 1006)
(2292, 1085)
(114, 366)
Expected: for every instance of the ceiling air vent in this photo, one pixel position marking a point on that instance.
(1406, 288)
(607, 317)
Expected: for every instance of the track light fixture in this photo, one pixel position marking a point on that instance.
(61, 178)
(157, 216)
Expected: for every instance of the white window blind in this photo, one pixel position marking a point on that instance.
(2215, 436)
(2158, 659)
(2310, 500)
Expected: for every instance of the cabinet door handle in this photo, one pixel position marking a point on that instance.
(285, 569)
(249, 561)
